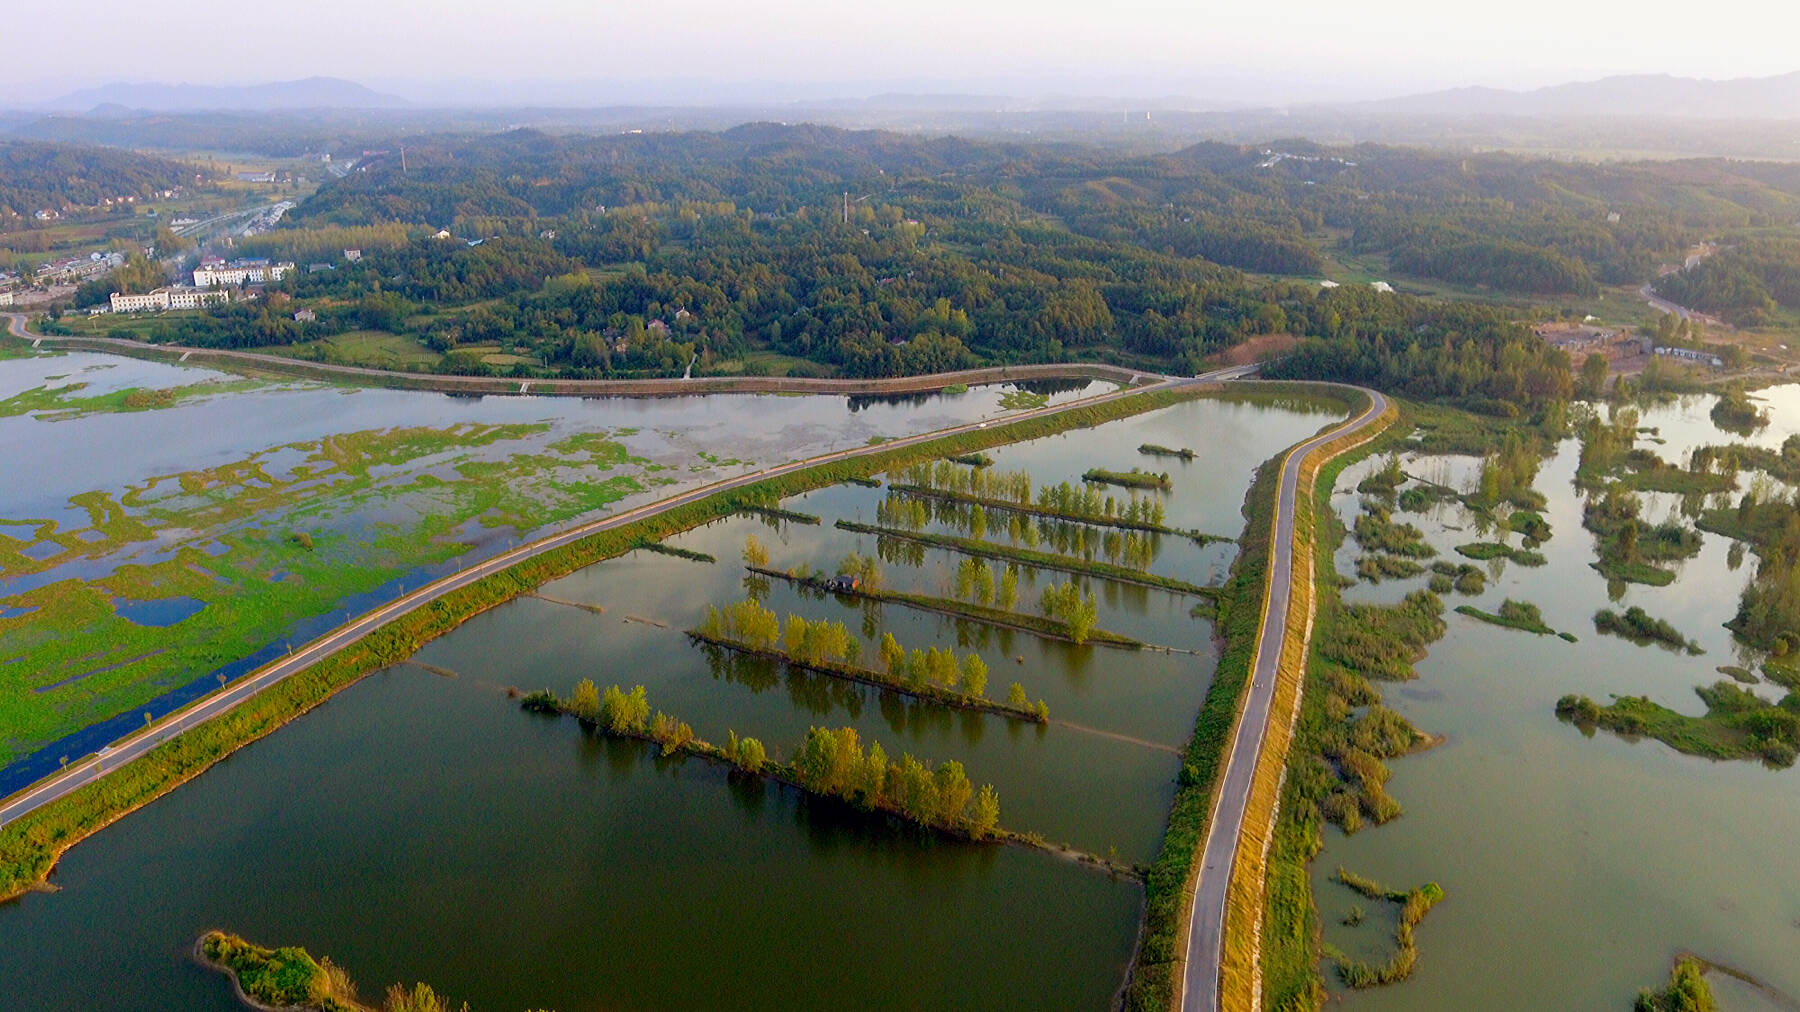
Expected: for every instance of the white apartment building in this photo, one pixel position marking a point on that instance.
(243, 272)
(174, 297)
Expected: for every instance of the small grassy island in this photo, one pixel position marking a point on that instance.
(1013, 492)
(1133, 478)
(290, 978)
(1032, 557)
(1687, 991)
(1637, 626)
(1155, 450)
(1046, 625)
(1521, 615)
(1738, 724)
(829, 648)
(1482, 551)
(831, 763)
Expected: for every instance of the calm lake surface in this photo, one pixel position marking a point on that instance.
(1576, 868)
(422, 827)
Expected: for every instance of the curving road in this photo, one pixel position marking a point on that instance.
(1200, 982)
(94, 767)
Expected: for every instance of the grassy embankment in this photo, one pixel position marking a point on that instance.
(1133, 478)
(1414, 905)
(1336, 769)
(1157, 968)
(1521, 615)
(972, 459)
(883, 680)
(1037, 625)
(1270, 898)
(29, 846)
(831, 764)
(676, 551)
(1038, 510)
(290, 978)
(1032, 557)
(777, 513)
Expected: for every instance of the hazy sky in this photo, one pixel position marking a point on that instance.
(1267, 50)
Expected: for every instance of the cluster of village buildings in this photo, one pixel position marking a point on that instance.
(213, 281)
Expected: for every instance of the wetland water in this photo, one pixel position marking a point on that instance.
(200, 501)
(1575, 868)
(423, 827)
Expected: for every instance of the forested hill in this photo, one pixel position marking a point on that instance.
(1499, 222)
(59, 177)
(1744, 284)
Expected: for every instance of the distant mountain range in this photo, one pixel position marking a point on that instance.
(310, 93)
(1641, 95)
(1631, 95)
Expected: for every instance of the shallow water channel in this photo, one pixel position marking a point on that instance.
(420, 826)
(1576, 868)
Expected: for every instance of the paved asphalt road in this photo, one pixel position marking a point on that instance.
(1662, 305)
(1200, 988)
(92, 768)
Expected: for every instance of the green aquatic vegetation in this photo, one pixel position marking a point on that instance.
(1376, 532)
(287, 977)
(1414, 905)
(1637, 625)
(676, 551)
(1030, 557)
(827, 647)
(76, 661)
(1687, 991)
(1627, 546)
(1530, 524)
(1460, 577)
(1385, 479)
(1521, 615)
(1739, 673)
(290, 978)
(1383, 641)
(1022, 400)
(778, 514)
(1735, 412)
(994, 615)
(1375, 568)
(1482, 551)
(1156, 450)
(830, 763)
(1737, 724)
(1133, 478)
(29, 846)
(972, 460)
(59, 403)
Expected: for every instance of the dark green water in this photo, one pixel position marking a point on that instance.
(418, 827)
